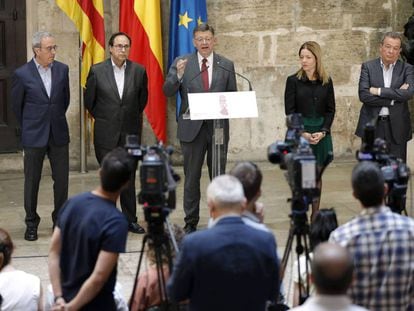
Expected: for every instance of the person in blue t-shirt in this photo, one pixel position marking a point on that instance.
(89, 235)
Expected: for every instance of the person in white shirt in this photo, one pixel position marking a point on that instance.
(20, 291)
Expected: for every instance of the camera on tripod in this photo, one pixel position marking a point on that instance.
(157, 195)
(158, 180)
(396, 173)
(295, 155)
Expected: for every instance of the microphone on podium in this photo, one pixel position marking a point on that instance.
(236, 73)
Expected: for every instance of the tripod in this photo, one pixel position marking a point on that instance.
(299, 229)
(158, 240)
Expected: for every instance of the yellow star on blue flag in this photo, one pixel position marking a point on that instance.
(184, 20)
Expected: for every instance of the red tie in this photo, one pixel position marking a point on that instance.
(204, 74)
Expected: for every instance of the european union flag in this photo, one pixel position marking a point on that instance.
(184, 17)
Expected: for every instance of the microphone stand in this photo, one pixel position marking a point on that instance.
(217, 146)
(236, 73)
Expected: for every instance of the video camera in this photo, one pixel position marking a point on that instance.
(396, 173)
(295, 155)
(158, 181)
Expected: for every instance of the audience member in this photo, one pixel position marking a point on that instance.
(382, 244)
(325, 222)
(230, 266)
(332, 274)
(19, 290)
(251, 177)
(147, 292)
(90, 234)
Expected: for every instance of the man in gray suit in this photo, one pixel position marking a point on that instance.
(202, 71)
(385, 86)
(116, 94)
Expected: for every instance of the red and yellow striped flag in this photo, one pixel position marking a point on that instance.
(88, 17)
(141, 20)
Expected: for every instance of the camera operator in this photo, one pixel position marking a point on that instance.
(230, 266)
(382, 243)
(90, 234)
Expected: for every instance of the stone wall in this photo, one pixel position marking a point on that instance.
(262, 37)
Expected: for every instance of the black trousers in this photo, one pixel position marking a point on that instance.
(194, 154)
(128, 195)
(384, 131)
(33, 164)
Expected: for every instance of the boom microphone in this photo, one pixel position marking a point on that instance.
(236, 73)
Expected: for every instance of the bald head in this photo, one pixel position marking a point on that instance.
(332, 269)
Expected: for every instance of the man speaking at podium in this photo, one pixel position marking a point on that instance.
(202, 71)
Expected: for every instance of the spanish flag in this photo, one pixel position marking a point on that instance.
(88, 17)
(141, 20)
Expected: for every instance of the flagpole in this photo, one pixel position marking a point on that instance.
(83, 160)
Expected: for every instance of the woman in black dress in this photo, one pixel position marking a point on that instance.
(310, 92)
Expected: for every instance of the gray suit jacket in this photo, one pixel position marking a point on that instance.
(371, 76)
(223, 80)
(115, 117)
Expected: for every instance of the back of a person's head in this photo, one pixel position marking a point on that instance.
(332, 269)
(225, 191)
(6, 248)
(250, 176)
(368, 184)
(115, 170)
(324, 223)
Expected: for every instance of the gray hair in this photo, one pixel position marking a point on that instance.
(37, 38)
(393, 35)
(225, 191)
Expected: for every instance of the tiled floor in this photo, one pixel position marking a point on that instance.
(32, 256)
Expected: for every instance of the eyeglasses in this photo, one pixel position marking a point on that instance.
(201, 40)
(120, 47)
(50, 48)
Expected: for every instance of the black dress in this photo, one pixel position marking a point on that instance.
(316, 103)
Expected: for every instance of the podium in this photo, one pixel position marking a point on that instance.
(218, 106)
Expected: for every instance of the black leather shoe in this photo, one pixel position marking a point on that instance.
(135, 228)
(30, 234)
(190, 228)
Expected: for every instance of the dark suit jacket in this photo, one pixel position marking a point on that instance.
(115, 117)
(310, 98)
(371, 76)
(230, 266)
(38, 115)
(222, 81)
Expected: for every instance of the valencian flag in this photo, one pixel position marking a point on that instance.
(141, 20)
(88, 17)
(185, 15)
